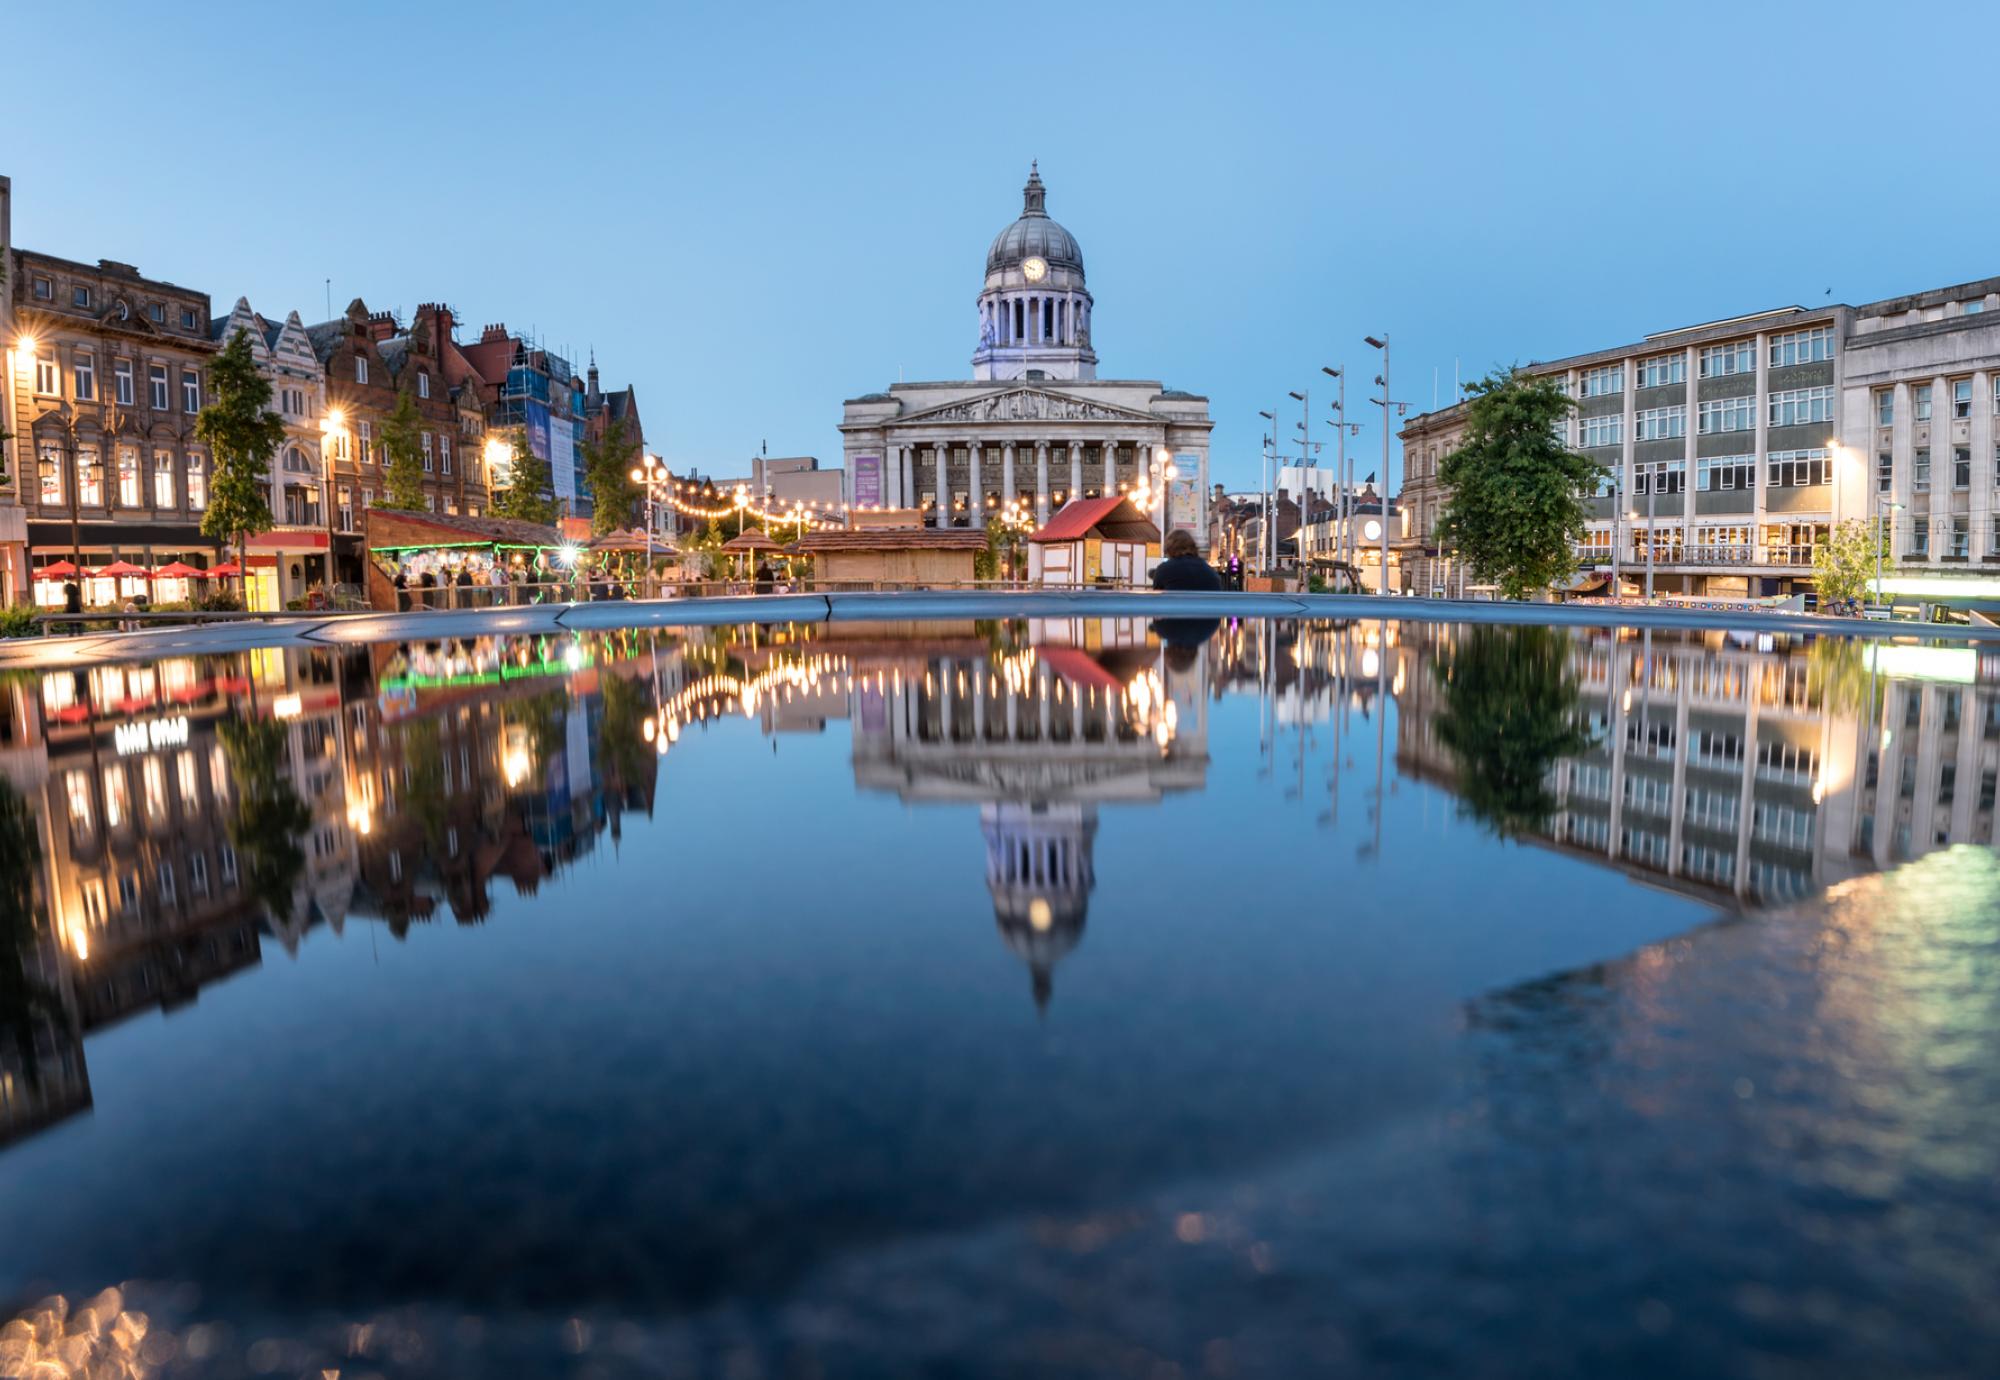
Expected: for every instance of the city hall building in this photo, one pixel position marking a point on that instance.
(1034, 424)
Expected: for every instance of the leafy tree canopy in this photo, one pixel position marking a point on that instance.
(529, 495)
(403, 478)
(1844, 564)
(1519, 497)
(607, 469)
(242, 434)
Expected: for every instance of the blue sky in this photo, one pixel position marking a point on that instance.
(752, 212)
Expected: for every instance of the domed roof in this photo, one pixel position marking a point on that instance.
(1034, 235)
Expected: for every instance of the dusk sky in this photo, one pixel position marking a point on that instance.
(753, 212)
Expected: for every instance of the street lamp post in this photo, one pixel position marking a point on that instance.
(1270, 551)
(1382, 493)
(650, 473)
(1881, 504)
(1343, 475)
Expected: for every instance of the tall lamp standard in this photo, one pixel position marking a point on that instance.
(1382, 494)
(1881, 538)
(1342, 471)
(1270, 552)
(333, 438)
(650, 474)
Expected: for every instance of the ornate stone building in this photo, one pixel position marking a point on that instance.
(1034, 424)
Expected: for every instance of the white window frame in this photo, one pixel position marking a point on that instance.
(1603, 381)
(159, 387)
(361, 368)
(190, 392)
(430, 458)
(1720, 415)
(1809, 346)
(163, 480)
(423, 383)
(130, 489)
(197, 481)
(48, 377)
(1799, 468)
(83, 376)
(1661, 371)
(121, 381)
(1660, 423)
(1738, 472)
(1961, 399)
(1920, 402)
(1728, 360)
(444, 452)
(1607, 427)
(1801, 406)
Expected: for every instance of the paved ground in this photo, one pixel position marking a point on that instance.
(348, 629)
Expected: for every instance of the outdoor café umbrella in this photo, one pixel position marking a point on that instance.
(226, 568)
(748, 540)
(61, 570)
(179, 570)
(118, 570)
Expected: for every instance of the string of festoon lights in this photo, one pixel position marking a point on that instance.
(813, 511)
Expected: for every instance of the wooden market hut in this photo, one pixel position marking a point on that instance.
(1093, 541)
(893, 547)
(395, 534)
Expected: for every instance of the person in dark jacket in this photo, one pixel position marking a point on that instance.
(767, 578)
(1184, 569)
(429, 584)
(464, 583)
(402, 590)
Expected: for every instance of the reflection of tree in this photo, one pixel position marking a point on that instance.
(1837, 675)
(269, 818)
(424, 796)
(22, 995)
(621, 730)
(546, 718)
(1509, 714)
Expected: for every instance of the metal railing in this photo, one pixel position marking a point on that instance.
(1725, 555)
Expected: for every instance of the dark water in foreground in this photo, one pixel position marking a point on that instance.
(971, 999)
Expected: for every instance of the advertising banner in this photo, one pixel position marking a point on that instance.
(562, 457)
(1184, 497)
(867, 481)
(538, 429)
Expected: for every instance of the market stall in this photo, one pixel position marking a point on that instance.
(428, 552)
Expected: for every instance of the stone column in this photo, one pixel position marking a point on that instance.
(942, 450)
(1110, 467)
(1075, 470)
(1984, 544)
(906, 465)
(1041, 483)
(1006, 474)
(1761, 440)
(975, 502)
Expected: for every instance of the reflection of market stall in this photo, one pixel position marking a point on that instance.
(442, 545)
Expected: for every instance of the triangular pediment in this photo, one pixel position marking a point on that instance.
(1027, 405)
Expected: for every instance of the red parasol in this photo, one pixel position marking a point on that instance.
(61, 570)
(226, 568)
(180, 570)
(118, 570)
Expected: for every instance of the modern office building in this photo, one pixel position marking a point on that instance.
(1733, 446)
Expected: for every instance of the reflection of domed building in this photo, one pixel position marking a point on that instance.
(1038, 738)
(1034, 424)
(1038, 869)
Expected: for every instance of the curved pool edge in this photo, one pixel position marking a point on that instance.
(919, 606)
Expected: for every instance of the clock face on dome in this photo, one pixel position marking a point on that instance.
(1034, 270)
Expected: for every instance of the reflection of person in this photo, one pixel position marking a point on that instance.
(1184, 569)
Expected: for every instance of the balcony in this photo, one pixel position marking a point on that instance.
(1788, 557)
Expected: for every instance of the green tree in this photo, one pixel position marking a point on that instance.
(243, 434)
(1844, 564)
(607, 469)
(403, 477)
(1519, 497)
(1509, 714)
(267, 818)
(529, 495)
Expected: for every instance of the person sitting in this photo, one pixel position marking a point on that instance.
(1184, 569)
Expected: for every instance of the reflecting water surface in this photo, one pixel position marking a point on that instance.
(1060, 998)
